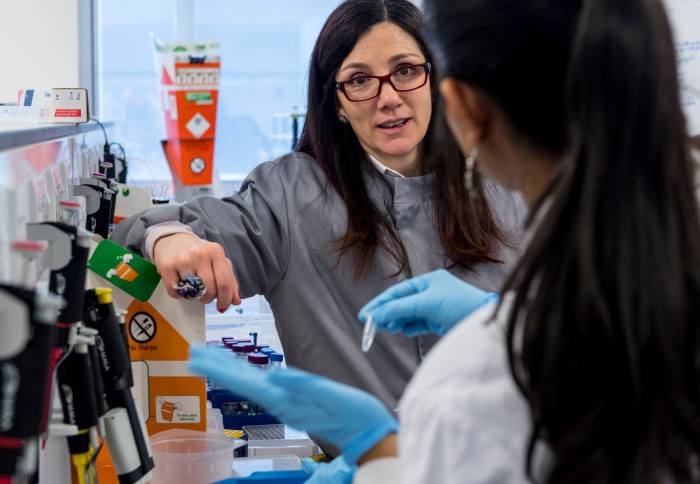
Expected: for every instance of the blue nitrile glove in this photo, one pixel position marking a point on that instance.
(431, 303)
(337, 471)
(350, 419)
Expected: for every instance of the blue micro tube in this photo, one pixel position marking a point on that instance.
(276, 360)
(267, 351)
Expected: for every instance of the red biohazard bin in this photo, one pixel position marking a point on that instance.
(189, 83)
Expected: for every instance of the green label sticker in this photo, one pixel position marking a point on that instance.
(132, 274)
(197, 96)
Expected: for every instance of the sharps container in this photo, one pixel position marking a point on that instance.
(191, 457)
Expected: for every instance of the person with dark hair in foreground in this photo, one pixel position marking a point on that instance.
(586, 371)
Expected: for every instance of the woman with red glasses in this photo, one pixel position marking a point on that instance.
(353, 210)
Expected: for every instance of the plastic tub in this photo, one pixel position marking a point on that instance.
(191, 457)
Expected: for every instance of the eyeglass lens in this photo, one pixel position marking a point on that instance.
(405, 79)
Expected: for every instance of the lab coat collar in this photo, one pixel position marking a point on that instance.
(383, 169)
(394, 188)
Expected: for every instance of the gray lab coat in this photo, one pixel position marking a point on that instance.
(279, 230)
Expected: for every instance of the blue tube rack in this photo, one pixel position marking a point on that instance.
(220, 397)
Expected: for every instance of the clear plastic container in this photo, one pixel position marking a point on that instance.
(191, 457)
(215, 421)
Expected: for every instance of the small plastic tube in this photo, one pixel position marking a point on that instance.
(276, 359)
(368, 334)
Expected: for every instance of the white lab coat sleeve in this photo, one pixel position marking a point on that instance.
(469, 448)
(379, 471)
(462, 417)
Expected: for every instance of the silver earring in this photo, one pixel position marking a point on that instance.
(343, 119)
(471, 175)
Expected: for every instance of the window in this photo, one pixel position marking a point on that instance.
(265, 47)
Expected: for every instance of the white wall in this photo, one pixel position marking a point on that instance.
(685, 18)
(40, 45)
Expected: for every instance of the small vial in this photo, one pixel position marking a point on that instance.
(368, 334)
(229, 343)
(276, 360)
(242, 350)
(267, 351)
(260, 360)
